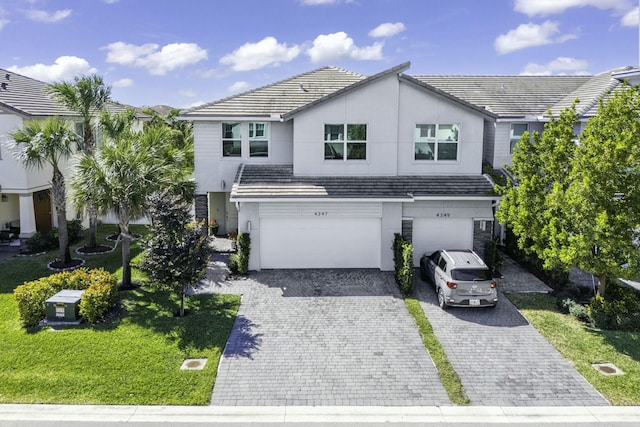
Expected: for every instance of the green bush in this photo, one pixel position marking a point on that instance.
(244, 249)
(39, 242)
(493, 257)
(577, 310)
(403, 261)
(618, 310)
(31, 296)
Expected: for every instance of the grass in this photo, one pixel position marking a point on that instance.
(132, 359)
(583, 345)
(448, 376)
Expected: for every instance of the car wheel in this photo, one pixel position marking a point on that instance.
(441, 301)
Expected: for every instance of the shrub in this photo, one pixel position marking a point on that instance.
(234, 263)
(618, 310)
(39, 242)
(244, 248)
(98, 284)
(403, 260)
(577, 310)
(493, 257)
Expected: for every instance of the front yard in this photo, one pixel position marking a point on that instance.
(584, 346)
(132, 358)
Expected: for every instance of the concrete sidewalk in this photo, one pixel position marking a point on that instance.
(474, 415)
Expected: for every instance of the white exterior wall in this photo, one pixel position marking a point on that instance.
(215, 173)
(375, 105)
(502, 141)
(421, 107)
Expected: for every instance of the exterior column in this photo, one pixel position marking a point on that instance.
(27, 216)
(202, 212)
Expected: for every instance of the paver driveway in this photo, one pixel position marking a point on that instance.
(323, 337)
(501, 359)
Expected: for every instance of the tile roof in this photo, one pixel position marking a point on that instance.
(508, 96)
(280, 97)
(28, 97)
(589, 94)
(278, 181)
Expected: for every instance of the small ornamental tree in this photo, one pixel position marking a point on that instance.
(176, 253)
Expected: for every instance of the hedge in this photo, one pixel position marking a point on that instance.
(403, 260)
(99, 296)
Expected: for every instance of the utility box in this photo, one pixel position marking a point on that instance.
(63, 306)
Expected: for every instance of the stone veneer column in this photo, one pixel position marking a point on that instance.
(202, 212)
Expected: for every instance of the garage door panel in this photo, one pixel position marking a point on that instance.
(320, 242)
(431, 234)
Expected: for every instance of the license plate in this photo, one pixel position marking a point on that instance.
(474, 302)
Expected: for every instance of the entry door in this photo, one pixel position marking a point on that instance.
(42, 210)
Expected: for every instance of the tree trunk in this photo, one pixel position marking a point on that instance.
(58, 193)
(93, 226)
(182, 304)
(126, 262)
(602, 284)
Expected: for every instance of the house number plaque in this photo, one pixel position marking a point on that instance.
(320, 213)
(443, 215)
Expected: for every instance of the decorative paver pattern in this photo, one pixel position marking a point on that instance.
(516, 279)
(501, 359)
(322, 337)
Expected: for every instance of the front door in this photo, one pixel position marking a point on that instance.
(42, 210)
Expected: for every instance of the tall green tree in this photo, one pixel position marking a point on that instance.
(40, 143)
(575, 200)
(85, 95)
(176, 253)
(121, 176)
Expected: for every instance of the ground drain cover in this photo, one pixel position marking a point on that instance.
(607, 369)
(193, 364)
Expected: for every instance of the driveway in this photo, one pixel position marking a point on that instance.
(501, 359)
(322, 337)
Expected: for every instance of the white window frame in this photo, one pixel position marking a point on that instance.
(232, 139)
(436, 141)
(254, 138)
(512, 139)
(342, 138)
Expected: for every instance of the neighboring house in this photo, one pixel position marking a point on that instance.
(323, 168)
(25, 202)
(523, 103)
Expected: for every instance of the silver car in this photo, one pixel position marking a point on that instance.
(460, 278)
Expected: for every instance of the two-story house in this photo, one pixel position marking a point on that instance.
(324, 167)
(25, 203)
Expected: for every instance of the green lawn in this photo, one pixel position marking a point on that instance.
(448, 376)
(583, 346)
(134, 358)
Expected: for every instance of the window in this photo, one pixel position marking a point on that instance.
(436, 142)
(517, 129)
(258, 140)
(231, 140)
(354, 145)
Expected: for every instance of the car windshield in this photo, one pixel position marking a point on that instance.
(470, 274)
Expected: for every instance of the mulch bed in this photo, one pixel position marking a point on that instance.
(113, 237)
(100, 249)
(65, 266)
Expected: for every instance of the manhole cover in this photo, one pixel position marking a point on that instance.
(607, 369)
(193, 364)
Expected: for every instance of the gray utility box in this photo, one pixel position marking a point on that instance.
(63, 305)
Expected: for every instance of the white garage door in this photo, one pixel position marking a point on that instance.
(431, 234)
(319, 242)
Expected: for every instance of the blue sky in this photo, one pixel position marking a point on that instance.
(183, 53)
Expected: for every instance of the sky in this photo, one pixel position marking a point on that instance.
(189, 52)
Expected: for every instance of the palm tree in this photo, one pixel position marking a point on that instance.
(121, 176)
(48, 142)
(86, 95)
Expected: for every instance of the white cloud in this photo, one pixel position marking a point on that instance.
(238, 87)
(387, 29)
(560, 65)
(64, 68)
(253, 56)
(327, 47)
(110, 1)
(530, 35)
(123, 83)
(187, 93)
(157, 62)
(44, 16)
(3, 22)
(631, 19)
(550, 7)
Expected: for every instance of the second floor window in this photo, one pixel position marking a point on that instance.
(258, 140)
(231, 140)
(517, 129)
(436, 142)
(349, 145)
